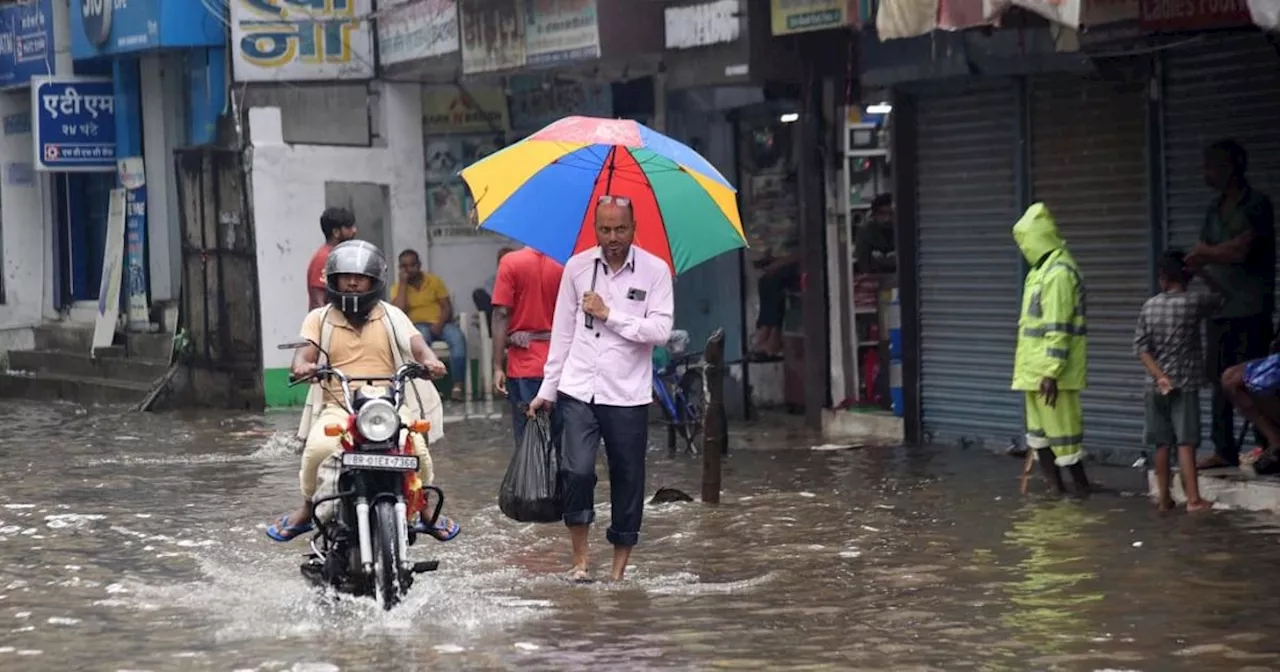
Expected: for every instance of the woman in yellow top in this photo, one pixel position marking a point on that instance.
(425, 299)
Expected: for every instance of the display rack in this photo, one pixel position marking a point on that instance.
(863, 175)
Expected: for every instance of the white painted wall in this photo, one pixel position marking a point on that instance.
(289, 196)
(22, 219)
(465, 264)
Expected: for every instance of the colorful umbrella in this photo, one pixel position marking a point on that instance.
(542, 191)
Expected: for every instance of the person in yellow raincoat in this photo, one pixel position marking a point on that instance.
(1049, 366)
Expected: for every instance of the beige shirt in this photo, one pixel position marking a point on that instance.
(357, 352)
(367, 352)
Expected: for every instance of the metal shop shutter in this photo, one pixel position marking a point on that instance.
(968, 264)
(1227, 86)
(1088, 164)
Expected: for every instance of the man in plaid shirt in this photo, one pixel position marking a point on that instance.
(1167, 341)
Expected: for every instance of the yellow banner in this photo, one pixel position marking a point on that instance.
(801, 16)
(447, 110)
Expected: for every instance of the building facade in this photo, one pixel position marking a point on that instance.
(1109, 132)
(165, 64)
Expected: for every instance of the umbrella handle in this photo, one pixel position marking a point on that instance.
(595, 272)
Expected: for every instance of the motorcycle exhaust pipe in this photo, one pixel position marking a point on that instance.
(366, 539)
(402, 529)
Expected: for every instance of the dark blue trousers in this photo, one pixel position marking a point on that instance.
(625, 431)
(520, 392)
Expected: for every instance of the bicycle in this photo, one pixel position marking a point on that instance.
(679, 387)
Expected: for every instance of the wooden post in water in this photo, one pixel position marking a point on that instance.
(714, 443)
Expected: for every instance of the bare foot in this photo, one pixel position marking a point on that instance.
(1211, 462)
(1166, 504)
(580, 575)
(1201, 505)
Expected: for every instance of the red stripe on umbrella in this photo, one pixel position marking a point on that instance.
(623, 176)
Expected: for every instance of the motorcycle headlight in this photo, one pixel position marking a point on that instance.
(378, 420)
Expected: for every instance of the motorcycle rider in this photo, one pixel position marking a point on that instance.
(364, 336)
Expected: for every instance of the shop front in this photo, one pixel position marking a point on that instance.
(461, 124)
(1061, 128)
(166, 64)
(720, 66)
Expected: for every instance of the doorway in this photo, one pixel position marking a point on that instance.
(83, 202)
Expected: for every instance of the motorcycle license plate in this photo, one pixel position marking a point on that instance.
(380, 462)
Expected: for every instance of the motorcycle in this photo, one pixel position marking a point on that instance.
(363, 549)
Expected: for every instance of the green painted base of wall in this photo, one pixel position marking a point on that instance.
(275, 387)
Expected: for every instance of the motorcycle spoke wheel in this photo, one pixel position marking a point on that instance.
(386, 556)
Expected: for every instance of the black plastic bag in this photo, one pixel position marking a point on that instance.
(530, 491)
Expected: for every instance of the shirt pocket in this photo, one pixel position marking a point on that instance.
(629, 306)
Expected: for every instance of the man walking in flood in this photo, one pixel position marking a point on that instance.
(1049, 366)
(614, 305)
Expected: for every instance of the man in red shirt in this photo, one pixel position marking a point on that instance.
(339, 226)
(524, 303)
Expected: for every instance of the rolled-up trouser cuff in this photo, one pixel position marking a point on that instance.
(622, 538)
(576, 518)
(1068, 459)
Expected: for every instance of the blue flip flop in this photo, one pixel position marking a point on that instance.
(445, 528)
(281, 530)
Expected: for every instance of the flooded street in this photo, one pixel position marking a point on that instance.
(135, 542)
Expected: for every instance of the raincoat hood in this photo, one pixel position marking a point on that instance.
(1037, 234)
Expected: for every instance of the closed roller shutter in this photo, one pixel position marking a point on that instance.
(1225, 87)
(968, 263)
(1088, 164)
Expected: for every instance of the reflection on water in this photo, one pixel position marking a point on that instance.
(135, 542)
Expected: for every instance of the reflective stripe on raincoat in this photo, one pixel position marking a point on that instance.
(1051, 328)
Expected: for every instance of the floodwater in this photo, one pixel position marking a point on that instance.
(131, 542)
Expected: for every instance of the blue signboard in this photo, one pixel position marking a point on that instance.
(75, 123)
(110, 27)
(135, 238)
(26, 42)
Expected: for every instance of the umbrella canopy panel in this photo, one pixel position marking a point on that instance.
(543, 192)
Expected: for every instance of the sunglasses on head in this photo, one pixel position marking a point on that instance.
(620, 201)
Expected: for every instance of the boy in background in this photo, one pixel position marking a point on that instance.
(1167, 341)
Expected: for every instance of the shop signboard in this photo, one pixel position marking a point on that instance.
(26, 42)
(133, 180)
(492, 35)
(75, 124)
(703, 24)
(557, 31)
(800, 16)
(412, 29)
(449, 110)
(299, 40)
(1175, 15)
(111, 27)
(537, 101)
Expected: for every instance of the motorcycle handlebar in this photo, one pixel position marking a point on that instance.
(408, 370)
